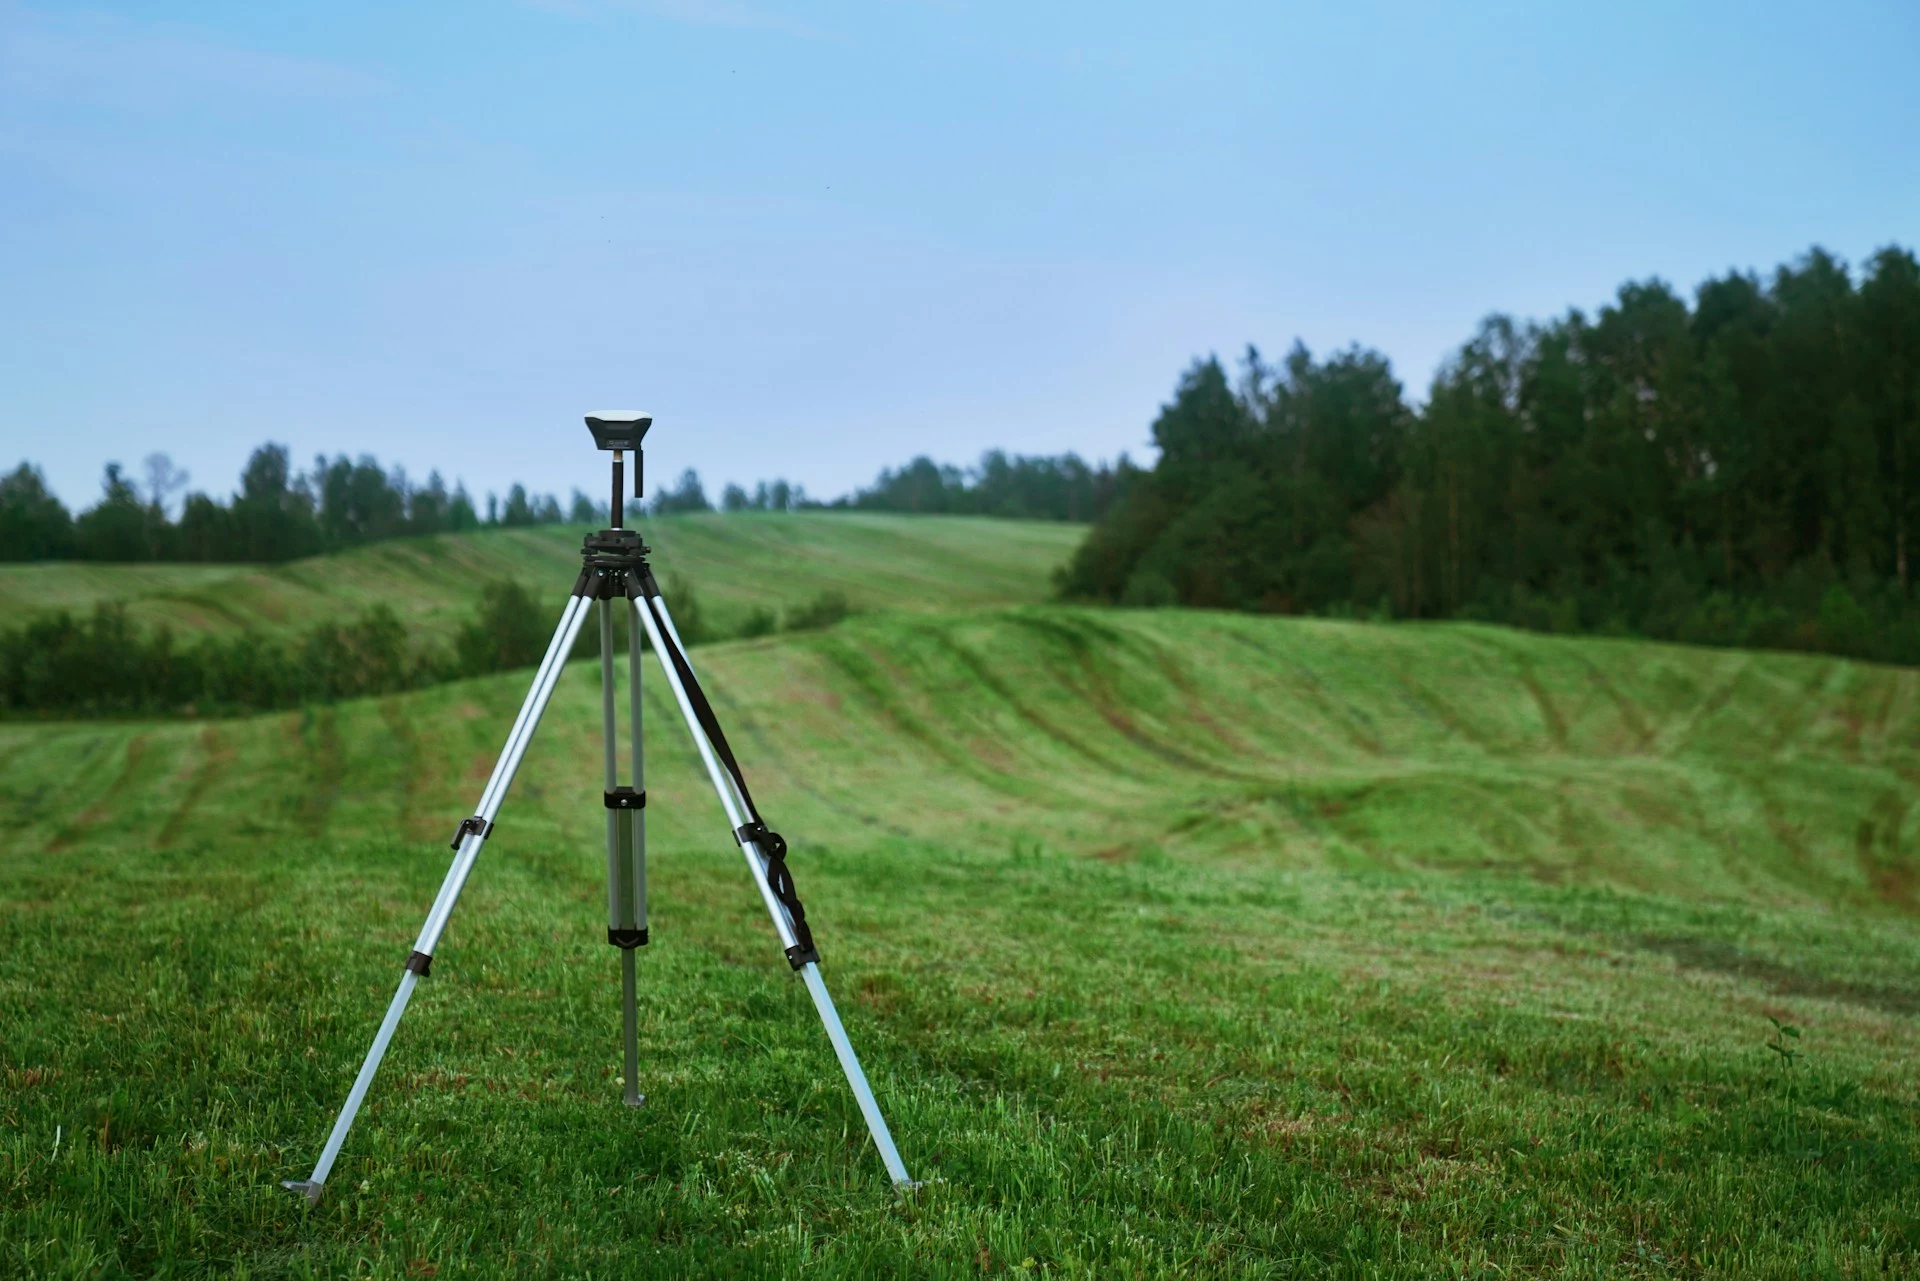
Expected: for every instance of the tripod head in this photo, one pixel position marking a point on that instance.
(620, 430)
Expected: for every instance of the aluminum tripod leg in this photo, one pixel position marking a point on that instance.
(782, 924)
(626, 851)
(638, 872)
(473, 836)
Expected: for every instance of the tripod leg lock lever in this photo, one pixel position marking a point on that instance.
(627, 939)
(474, 823)
(418, 962)
(625, 798)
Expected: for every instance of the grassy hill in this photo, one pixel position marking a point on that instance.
(734, 561)
(1175, 943)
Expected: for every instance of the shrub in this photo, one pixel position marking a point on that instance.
(760, 621)
(824, 610)
(508, 631)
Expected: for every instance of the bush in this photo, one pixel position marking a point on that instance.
(1147, 589)
(104, 665)
(508, 631)
(760, 621)
(824, 610)
(688, 618)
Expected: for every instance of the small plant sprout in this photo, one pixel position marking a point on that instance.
(1784, 1041)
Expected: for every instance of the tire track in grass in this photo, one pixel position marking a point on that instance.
(25, 807)
(1351, 722)
(215, 757)
(876, 683)
(201, 599)
(1167, 659)
(1550, 714)
(977, 667)
(100, 810)
(1792, 838)
(8, 755)
(1870, 709)
(1876, 842)
(1645, 735)
(1105, 699)
(325, 766)
(1895, 709)
(1679, 736)
(395, 718)
(1796, 715)
(1428, 704)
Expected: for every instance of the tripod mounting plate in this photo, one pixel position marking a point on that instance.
(614, 549)
(613, 562)
(618, 428)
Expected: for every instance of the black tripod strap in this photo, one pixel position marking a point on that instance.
(771, 844)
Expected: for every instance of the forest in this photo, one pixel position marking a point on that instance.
(1736, 469)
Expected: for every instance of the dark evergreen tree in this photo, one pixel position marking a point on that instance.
(120, 527)
(34, 525)
(687, 496)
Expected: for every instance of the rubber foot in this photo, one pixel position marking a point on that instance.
(637, 1101)
(306, 1188)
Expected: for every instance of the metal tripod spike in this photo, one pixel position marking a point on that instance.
(614, 567)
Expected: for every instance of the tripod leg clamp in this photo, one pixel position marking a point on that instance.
(471, 824)
(628, 939)
(418, 963)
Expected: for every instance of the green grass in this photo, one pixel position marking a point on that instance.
(736, 561)
(1175, 944)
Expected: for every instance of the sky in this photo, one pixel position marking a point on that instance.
(819, 239)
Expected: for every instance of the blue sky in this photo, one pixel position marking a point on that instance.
(817, 239)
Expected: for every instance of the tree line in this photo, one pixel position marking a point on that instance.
(1016, 486)
(276, 515)
(105, 664)
(1000, 484)
(1739, 468)
(279, 514)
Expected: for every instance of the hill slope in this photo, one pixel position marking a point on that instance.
(1174, 942)
(733, 561)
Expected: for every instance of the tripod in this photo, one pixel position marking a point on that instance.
(614, 568)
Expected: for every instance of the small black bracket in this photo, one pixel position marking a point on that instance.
(472, 823)
(625, 798)
(628, 939)
(418, 963)
(771, 843)
(773, 848)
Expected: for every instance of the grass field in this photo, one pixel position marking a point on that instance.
(1174, 943)
(880, 561)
